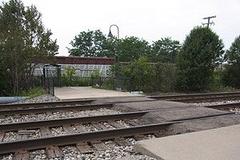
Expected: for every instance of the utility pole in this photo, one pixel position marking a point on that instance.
(209, 21)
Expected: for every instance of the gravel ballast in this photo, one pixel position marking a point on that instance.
(55, 115)
(39, 99)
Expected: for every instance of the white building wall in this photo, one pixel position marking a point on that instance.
(82, 70)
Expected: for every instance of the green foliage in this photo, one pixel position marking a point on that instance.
(96, 44)
(141, 75)
(89, 44)
(96, 78)
(95, 74)
(164, 50)
(22, 39)
(165, 77)
(200, 54)
(131, 48)
(76, 81)
(233, 54)
(33, 92)
(68, 76)
(231, 76)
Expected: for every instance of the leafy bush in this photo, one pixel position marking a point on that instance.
(141, 75)
(138, 75)
(200, 54)
(231, 76)
(33, 92)
(76, 81)
(69, 78)
(165, 80)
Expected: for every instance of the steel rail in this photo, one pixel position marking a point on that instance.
(165, 97)
(49, 109)
(196, 99)
(84, 101)
(8, 147)
(54, 122)
(32, 106)
(226, 105)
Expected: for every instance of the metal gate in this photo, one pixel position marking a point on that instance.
(52, 75)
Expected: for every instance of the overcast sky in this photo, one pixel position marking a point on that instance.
(147, 19)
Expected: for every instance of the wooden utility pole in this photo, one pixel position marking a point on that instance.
(209, 21)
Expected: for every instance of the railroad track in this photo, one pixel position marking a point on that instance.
(82, 132)
(26, 110)
(46, 104)
(55, 106)
(203, 97)
(85, 132)
(85, 140)
(226, 107)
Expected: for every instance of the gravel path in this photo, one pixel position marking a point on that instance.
(56, 115)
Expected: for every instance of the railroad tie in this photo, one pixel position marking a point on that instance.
(122, 142)
(80, 128)
(99, 145)
(115, 124)
(68, 128)
(84, 148)
(1, 136)
(45, 132)
(97, 126)
(21, 155)
(53, 152)
(100, 126)
(139, 137)
(133, 122)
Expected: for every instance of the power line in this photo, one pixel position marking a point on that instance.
(209, 22)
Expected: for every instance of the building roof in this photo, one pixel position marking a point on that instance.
(78, 60)
(83, 60)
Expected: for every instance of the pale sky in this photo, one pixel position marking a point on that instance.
(147, 19)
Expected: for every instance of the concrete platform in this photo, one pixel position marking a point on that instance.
(215, 144)
(66, 93)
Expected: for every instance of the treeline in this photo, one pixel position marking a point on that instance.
(96, 44)
(199, 64)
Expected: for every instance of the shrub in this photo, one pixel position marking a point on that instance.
(141, 75)
(231, 76)
(33, 92)
(200, 54)
(165, 80)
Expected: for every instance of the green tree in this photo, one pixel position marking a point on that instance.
(89, 44)
(231, 76)
(139, 75)
(131, 48)
(22, 39)
(164, 50)
(201, 52)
